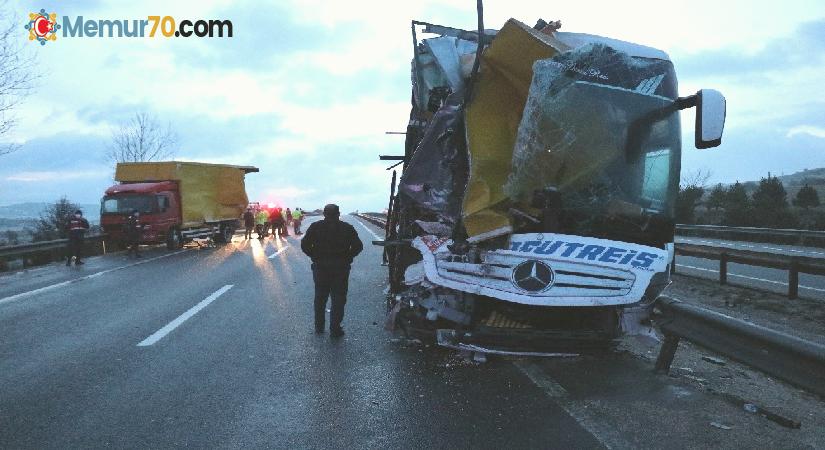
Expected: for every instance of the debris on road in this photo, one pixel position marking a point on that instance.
(717, 361)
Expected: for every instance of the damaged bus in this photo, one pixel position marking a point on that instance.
(535, 208)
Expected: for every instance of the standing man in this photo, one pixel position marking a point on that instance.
(297, 216)
(260, 223)
(248, 222)
(277, 218)
(332, 245)
(75, 229)
(285, 225)
(133, 229)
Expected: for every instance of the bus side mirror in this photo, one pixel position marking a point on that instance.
(710, 118)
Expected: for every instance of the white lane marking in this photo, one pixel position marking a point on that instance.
(749, 278)
(378, 238)
(158, 335)
(278, 252)
(75, 280)
(580, 411)
(541, 379)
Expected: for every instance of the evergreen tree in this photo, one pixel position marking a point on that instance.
(770, 204)
(52, 222)
(737, 206)
(770, 194)
(686, 201)
(716, 198)
(807, 197)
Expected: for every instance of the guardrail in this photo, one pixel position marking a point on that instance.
(373, 218)
(793, 264)
(753, 230)
(47, 251)
(786, 357)
(777, 235)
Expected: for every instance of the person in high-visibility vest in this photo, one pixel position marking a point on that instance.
(261, 220)
(297, 216)
(285, 224)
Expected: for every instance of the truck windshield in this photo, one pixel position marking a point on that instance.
(125, 204)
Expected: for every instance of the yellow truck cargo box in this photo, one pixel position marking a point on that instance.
(493, 117)
(208, 192)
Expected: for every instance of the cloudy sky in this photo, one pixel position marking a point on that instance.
(306, 88)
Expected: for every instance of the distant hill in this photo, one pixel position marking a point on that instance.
(793, 182)
(32, 210)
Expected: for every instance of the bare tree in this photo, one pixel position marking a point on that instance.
(17, 73)
(142, 138)
(696, 178)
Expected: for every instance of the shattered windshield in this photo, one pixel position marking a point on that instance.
(604, 151)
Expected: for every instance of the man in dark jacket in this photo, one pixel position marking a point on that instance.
(76, 228)
(248, 223)
(132, 229)
(331, 244)
(277, 218)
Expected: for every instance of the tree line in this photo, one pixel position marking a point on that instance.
(768, 206)
(49, 226)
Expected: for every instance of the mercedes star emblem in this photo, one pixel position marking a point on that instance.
(533, 276)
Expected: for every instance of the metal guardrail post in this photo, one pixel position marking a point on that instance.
(667, 353)
(723, 268)
(778, 354)
(793, 279)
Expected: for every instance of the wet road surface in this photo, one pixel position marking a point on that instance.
(214, 347)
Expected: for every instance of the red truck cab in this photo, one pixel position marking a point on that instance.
(159, 207)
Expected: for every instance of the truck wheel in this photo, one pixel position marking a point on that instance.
(174, 240)
(225, 234)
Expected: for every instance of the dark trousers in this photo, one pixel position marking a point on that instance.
(74, 248)
(330, 282)
(248, 234)
(133, 246)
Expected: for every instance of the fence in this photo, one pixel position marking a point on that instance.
(774, 235)
(39, 253)
(786, 357)
(793, 264)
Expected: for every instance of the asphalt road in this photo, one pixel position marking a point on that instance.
(773, 280)
(214, 347)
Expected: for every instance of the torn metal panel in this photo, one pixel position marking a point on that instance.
(436, 175)
(454, 58)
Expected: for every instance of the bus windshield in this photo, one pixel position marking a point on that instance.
(610, 156)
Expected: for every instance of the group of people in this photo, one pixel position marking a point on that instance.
(276, 219)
